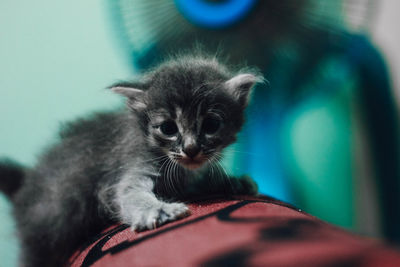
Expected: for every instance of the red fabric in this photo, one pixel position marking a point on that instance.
(239, 232)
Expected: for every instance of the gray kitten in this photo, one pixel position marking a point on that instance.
(135, 166)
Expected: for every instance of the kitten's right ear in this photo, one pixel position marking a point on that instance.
(239, 86)
(134, 93)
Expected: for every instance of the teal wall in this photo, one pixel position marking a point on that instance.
(56, 58)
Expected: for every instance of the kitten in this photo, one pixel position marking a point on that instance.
(135, 166)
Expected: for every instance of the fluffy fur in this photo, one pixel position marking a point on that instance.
(135, 166)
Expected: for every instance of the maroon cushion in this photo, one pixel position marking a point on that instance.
(239, 232)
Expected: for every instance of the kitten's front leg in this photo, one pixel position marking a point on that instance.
(139, 207)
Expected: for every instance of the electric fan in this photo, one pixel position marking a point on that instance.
(247, 30)
(294, 43)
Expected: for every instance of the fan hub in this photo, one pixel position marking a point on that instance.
(214, 13)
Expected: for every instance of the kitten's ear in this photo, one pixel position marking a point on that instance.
(127, 91)
(134, 93)
(240, 86)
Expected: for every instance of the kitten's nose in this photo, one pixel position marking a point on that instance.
(191, 150)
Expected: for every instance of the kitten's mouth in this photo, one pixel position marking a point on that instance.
(191, 163)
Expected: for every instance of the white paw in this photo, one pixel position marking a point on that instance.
(153, 217)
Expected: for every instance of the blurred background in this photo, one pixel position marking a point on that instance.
(322, 135)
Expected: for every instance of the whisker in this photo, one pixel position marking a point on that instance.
(162, 165)
(168, 177)
(154, 159)
(213, 177)
(218, 166)
(175, 176)
(221, 168)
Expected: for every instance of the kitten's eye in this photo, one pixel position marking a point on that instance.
(211, 125)
(169, 128)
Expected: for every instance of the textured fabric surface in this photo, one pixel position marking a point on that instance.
(237, 232)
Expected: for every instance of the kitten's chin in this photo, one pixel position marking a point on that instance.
(192, 166)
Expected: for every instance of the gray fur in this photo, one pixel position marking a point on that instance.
(122, 167)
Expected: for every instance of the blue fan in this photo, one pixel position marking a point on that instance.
(246, 30)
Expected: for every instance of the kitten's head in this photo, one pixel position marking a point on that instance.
(189, 108)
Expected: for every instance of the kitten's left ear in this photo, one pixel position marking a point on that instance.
(134, 93)
(240, 86)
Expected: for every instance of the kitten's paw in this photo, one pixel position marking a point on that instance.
(246, 186)
(156, 216)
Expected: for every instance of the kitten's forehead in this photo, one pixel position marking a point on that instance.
(188, 101)
(176, 113)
